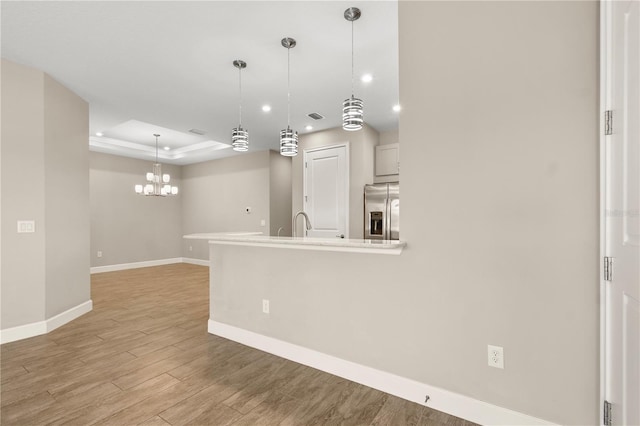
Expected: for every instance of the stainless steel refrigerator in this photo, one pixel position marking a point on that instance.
(382, 211)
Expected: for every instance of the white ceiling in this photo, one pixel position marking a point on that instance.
(166, 67)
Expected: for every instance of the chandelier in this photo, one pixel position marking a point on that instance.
(352, 108)
(240, 136)
(288, 137)
(157, 183)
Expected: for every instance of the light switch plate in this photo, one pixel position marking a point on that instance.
(26, 226)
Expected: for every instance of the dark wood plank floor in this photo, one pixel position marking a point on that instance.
(143, 356)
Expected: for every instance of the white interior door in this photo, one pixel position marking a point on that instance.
(326, 191)
(622, 219)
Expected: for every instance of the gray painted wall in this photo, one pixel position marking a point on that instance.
(361, 162)
(128, 227)
(44, 178)
(216, 194)
(500, 212)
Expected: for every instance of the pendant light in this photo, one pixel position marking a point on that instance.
(288, 137)
(352, 108)
(239, 136)
(157, 183)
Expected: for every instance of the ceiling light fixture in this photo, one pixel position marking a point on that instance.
(367, 78)
(397, 108)
(239, 136)
(166, 148)
(308, 127)
(352, 108)
(288, 137)
(266, 108)
(99, 134)
(157, 183)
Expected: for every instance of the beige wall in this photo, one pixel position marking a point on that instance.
(215, 196)
(66, 197)
(128, 227)
(23, 255)
(279, 193)
(389, 137)
(44, 178)
(499, 151)
(361, 161)
(499, 134)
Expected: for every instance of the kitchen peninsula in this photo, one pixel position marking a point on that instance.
(304, 299)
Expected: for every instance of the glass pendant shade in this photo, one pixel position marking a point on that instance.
(352, 114)
(240, 139)
(157, 182)
(288, 142)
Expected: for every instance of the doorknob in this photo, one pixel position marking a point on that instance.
(340, 236)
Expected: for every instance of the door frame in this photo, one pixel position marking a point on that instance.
(305, 152)
(606, 69)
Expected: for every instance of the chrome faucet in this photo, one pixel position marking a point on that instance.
(306, 221)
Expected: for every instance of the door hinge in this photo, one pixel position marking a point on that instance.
(305, 164)
(607, 414)
(608, 268)
(608, 122)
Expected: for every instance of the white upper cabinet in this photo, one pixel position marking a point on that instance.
(388, 161)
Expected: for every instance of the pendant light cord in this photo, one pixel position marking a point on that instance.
(288, 87)
(156, 150)
(240, 96)
(352, 73)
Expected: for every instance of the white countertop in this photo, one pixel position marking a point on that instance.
(256, 239)
(210, 235)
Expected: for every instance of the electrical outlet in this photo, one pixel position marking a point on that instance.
(190, 248)
(263, 222)
(265, 306)
(495, 356)
(99, 254)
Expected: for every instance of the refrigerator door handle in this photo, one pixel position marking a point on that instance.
(387, 220)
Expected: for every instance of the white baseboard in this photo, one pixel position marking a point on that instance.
(43, 327)
(439, 399)
(69, 315)
(195, 261)
(134, 265)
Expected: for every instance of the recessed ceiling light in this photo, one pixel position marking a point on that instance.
(366, 78)
(99, 134)
(166, 148)
(308, 127)
(396, 108)
(266, 108)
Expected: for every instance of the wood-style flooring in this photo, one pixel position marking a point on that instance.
(143, 356)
